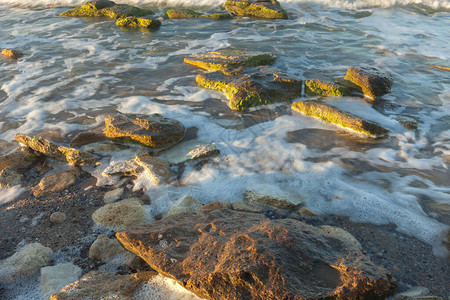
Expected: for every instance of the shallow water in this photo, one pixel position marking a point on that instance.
(75, 71)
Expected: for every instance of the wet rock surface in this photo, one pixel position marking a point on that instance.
(185, 13)
(9, 177)
(157, 168)
(12, 53)
(105, 8)
(135, 22)
(234, 255)
(373, 82)
(265, 9)
(120, 215)
(189, 150)
(318, 87)
(54, 278)
(55, 183)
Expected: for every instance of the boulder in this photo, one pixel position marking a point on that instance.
(135, 22)
(26, 261)
(228, 60)
(23, 157)
(157, 168)
(58, 217)
(102, 285)
(185, 13)
(55, 183)
(54, 278)
(54, 151)
(113, 195)
(185, 204)
(11, 53)
(105, 8)
(373, 82)
(120, 215)
(9, 177)
(273, 201)
(224, 254)
(153, 131)
(110, 251)
(330, 114)
(265, 9)
(318, 87)
(123, 167)
(189, 150)
(253, 88)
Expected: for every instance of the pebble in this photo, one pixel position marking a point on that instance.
(58, 217)
(113, 196)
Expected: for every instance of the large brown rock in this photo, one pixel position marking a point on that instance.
(373, 82)
(56, 182)
(152, 131)
(265, 9)
(224, 254)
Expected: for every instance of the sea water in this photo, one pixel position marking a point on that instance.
(75, 71)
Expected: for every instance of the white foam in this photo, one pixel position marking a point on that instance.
(10, 194)
(163, 288)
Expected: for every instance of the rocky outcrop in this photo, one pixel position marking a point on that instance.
(266, 9)
(185, 13)
(135, 22)
(157, 168)
(373, 82)
(54, 278)
(228, 60)
(120, 215)
(224, 254)
(318, 87)
(9, 177)
(11, 53)
(54, 183)
(190, 150)
(54, 151)
(330, 114)
(153, 131)
(253, 87)
(105, 8)
(97, 285)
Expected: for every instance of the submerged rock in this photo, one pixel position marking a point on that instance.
(9, 177)
(227, 60)
(157, 168)
(190, 150)
(224, 254)
(85, 138)
(185, 13)
(333, 115)
(105, 8)
(266, 9)
(373, 82)
(54, 151)
(120, 215)
(138, 22)
(407, 122)
(318, 87)
(98, 285)
(54, 278)
(23, 157)
(153, 131)
(11, 53)
(54, 183)
(253, 88)
(277, 202)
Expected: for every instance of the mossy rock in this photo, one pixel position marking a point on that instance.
(318, 87)
(105, 8)
(253, 88)
(218, 16)
(265, 9)
(227, 60)
(330, 114)
(186, 13)
(138, 22)
(373, 82)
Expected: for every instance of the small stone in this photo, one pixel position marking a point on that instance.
(58, 217)
(120, 215)
(185, 204)
(215, 205)
(407, 122)
(373, 82)
(124, 167)
(113, 195)
(158, 169)
(54, 278)
(9, 177)
(247, 207)
(189, 150)
(11, 53)
(54, 183)
(273, 201)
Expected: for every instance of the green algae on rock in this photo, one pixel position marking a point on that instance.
(138, 22)
(330, 114)
(265, 9)
(373, 82)
(318, 87)
(185, 13)
(255, 87)
(105, 8)
(12, 53)
(227, 60)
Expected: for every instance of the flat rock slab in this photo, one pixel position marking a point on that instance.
(135, 22)
(190, 150)
(224, 254)
(254, 87)
(54, 151)
(153, 131)
(227, 60)
(120, 215)
(318, 87)
(185, 13)
(265, 9)
(157, 168)
(105, 8)
(330, 114)
(373, 82)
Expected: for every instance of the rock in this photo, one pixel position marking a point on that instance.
(348, 84)
(266, 9)
(273, 201)
(307, 213)
(55, 183)
(247, 207)
(158, 169)
(12, 54)
(110, 251)
(9, 177)
(26, 261)
(215, 205)
(253, 88)
(105, 148)
(54, 278)
(113, 195)
(318, 87)
(227, 60)
(101, 285)
(416, 293)
(442, 67)
(189, 150)
(123, 167)
(224, 254)
(105, 8)
(147, 23)
(54, 151)
(185, 204)
(373, 82)
(84, 138)
(407, 122)
(23, 157)
(330, 114)
(344, 236)
(58, 218)
(184, 13)
(120, 215)
(152, 131)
